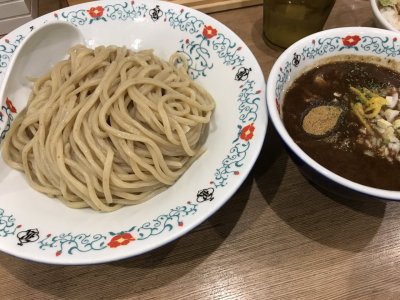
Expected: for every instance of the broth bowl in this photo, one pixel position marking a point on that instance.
(302, 56)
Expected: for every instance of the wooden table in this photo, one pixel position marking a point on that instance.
(277, 238)
(206, 6)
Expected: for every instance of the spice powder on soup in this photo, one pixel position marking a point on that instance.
(349, 123)
(321, 120)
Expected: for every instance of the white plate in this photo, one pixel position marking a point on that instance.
(35, 227)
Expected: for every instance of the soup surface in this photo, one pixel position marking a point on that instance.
(346, 116)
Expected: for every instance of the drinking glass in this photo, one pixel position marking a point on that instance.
(286, 21)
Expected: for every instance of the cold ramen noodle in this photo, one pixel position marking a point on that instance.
(109, 127)
(345, 114)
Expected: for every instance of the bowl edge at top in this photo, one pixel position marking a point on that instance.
(275, 116)
(379, 19)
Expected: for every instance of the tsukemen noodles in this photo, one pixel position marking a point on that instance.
(109, 127)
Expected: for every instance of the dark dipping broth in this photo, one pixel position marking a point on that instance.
(362, 143)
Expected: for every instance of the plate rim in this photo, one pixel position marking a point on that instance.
(175, 234)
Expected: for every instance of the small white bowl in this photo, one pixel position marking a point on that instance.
(306, 53)
(379, 19)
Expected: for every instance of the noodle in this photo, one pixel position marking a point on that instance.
(109, 127)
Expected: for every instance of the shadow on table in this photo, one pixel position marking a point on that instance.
(330, 220)
(270, 167)
(138, 274)
(325, 218)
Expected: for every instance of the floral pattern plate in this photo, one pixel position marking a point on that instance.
(35, 227)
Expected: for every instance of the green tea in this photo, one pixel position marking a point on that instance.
(285, 22)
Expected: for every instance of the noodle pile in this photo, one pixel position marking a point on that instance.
(109, 127)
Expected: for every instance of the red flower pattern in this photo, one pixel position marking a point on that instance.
(247, 132)
(351, 40)
(96, 12)
(10, 105)
(209, 32)
(122, 239)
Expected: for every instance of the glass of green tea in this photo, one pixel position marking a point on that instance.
(286, 21)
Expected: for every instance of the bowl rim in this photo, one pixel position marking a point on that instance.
(380, 17)
(277, 122)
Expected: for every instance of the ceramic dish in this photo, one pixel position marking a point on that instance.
(301, 56)
(380, 20)
(35, 227)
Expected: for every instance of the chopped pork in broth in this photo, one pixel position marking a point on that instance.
(346, 116)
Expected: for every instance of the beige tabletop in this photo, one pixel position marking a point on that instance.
(279, 237)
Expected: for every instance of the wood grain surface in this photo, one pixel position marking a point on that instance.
(279, 237)
(206, 6)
